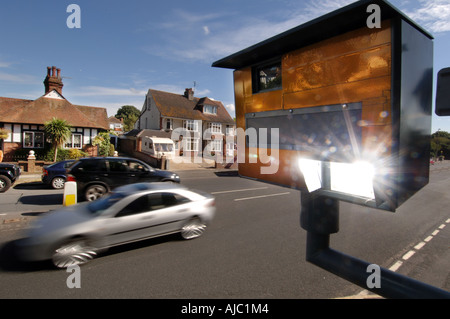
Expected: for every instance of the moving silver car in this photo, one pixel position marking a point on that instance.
(76, 234)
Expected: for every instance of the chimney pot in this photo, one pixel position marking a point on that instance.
(189, 94)
(53, 80)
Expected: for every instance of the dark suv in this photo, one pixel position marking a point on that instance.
(9, 173)
(96, 176)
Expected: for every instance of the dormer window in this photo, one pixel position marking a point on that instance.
(210, 109)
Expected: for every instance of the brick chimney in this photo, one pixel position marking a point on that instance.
(189, 94)
(53, 80)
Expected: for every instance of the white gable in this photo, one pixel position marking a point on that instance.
(53, 94)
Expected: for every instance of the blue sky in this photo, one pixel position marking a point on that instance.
(125, 48)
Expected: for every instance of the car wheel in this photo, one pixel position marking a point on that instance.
(193, 228)
(95, 192)
(73, 252)
(5, 184)
(58, 182)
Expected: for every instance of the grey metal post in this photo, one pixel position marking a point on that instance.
(320, 218)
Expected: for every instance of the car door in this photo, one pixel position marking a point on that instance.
(139, 172)
(118, 173)
(145, 216)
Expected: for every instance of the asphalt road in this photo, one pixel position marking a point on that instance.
(254, 249)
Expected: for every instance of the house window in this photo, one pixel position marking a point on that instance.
(74, 141)
(33, 139)
(230, 130)
(168, 124)
(190, 125)
(267, 77)
(215, 127)
(190, 144)
(216, 145)
(210, 109)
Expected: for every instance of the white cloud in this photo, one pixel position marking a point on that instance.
(17, 78)
(108, 91)
(433, 15)
(231, 32)
(231, 108)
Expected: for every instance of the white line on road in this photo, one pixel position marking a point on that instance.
(395, 266)
(239, 190)
(428, 238)
(408, 255)
(262, 196)
(419, 245)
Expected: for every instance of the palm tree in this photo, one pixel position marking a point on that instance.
(3, 134)
(58, 131)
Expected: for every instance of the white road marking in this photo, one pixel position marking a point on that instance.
(419, 245)
(395, 266)
(238, 190)
(428, 238)
(408, 255)
(262, 196)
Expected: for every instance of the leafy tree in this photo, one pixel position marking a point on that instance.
(130, 114)
(3, 134)
(103, 142)
(57, 131)
(440, 144)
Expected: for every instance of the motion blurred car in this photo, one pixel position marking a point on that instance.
(96, 176)
(76, 234)
(55, 174)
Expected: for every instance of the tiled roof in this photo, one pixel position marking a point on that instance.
(178, 106)
(44, 109)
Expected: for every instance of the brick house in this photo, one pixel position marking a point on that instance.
(196, 124)
(25, 119)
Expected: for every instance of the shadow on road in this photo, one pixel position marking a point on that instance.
(9, 260)
(232, 173)
(48, 199)
(31, 185)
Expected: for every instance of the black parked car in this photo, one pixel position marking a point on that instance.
(55, 174)
(9, 173)
(96, 176)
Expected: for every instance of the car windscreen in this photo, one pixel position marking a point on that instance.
(98, 206)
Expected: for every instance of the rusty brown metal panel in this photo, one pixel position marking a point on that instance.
(353, 67)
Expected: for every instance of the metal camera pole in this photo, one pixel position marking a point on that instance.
(320, 217)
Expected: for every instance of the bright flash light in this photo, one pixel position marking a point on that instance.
(312, 172)
(355, 178)
(351, 178)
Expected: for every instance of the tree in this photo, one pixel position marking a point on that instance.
(130, 114)
(103, 142)
(3, 134)
(57, 131)
(440, 144)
